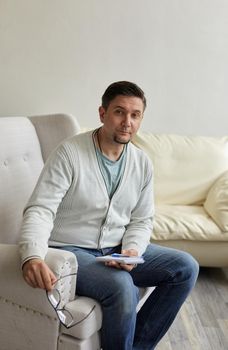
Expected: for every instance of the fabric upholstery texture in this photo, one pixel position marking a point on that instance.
(216, 203)
(21, 163)
(58, 126)
(13, 338)
(26, 312)
(185, 167)
(81, 308)
(208, 253)
(173, 222)
(68, 343)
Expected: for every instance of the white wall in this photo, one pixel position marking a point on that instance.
(59, 56)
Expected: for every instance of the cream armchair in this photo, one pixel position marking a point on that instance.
(28, 321)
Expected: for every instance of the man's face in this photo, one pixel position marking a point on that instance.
(122, 119)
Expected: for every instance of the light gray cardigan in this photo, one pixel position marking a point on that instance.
(70, 203)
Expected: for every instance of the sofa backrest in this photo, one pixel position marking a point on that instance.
(185, 167)
(24, 145)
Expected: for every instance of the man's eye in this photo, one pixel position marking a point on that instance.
(135, 116)
(118, 111)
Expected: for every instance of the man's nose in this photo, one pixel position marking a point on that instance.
(127, 120)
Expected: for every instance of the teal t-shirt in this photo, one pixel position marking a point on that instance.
(112, 171)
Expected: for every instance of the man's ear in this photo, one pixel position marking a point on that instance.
(102, 113)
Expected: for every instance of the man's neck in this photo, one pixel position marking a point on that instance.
(109, 149)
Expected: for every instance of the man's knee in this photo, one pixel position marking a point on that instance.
(188, 268)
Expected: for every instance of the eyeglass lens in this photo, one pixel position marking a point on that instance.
(64, 316)
(54, 297)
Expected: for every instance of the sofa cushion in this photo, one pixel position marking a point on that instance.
(20, 165)
(185, 167)
(175, 222)
(216, 203)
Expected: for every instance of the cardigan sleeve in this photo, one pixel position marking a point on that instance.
(40, 212)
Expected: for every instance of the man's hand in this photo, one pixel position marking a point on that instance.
(38, 275)
(126, 267)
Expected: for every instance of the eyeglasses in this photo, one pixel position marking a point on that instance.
(64, 316)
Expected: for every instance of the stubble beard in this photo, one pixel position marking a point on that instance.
(121, 142)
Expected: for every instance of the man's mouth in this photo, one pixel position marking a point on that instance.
(124, 132)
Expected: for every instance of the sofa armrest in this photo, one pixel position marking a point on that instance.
(14, 289)
(216, 203)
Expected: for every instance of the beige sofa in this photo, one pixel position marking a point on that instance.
(27, 319)
(191, 194)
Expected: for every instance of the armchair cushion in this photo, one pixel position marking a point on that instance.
(87, 310)
(216, 203)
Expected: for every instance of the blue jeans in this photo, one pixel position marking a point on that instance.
(174, 274)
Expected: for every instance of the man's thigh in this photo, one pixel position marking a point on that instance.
(95, 279)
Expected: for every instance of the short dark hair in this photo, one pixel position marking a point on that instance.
(125, 88)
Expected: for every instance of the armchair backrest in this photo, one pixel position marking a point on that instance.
(51, 129)
(25, 144)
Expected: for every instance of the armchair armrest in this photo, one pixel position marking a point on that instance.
(14, 289)
(216, 203)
